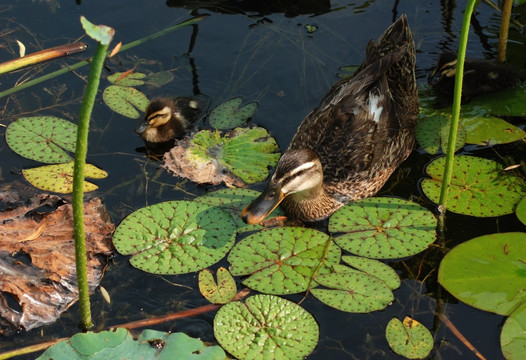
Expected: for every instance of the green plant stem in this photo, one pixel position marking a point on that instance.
(453, 128)
(504, 27)
(85, 62)
(78, 183)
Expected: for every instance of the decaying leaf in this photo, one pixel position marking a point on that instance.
(241, 156)
(37, 262)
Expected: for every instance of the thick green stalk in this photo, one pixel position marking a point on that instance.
(453, 128)
(84, 62)
(78, 182)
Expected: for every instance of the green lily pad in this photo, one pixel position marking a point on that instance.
(410, 338)
(479, 187)
(283, 260)
(355, 292)
(432, 133)
(266, 327)
(120, 344)
(487, 272)
(125, 100)
(229, 114)
(42, 138)
(521, 210)
(59, 177)
(101, 33)
(383, 228)
(513, 335)
(131, 79)
(175, 237)
(242, 156)
(234, 200)
(374, 268)
(510, 102)
(490, 130)
(220, 292)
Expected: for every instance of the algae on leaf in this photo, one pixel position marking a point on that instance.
(175, 237)
(241, 156)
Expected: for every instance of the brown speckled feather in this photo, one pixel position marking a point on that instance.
(358, 154)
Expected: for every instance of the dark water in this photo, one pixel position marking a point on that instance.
(261, 52)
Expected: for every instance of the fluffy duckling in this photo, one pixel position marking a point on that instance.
(347, 148)
(480, 77)
(167, 119)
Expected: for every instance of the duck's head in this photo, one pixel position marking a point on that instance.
(298, 172)
(166, 119)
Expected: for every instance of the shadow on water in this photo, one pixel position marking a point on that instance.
(259, 50)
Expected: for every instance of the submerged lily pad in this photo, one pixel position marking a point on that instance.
(123, 79)
(487, 272)
(229, 114)
(220, 292)
(125, 100)
(513, 335)
(234, 200)
(383, 228)
(42, 138)
(410, 338)
(479, 187)
(175, 237)
(119, 343)
(353, 292)
(266, 327)
(160, 78)
(59, 177)
(283, 260)
(242, 156)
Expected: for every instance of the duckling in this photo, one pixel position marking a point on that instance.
(480, 77)
(167, 119)
(347, 147)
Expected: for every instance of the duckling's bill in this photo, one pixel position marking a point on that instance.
(263, 205)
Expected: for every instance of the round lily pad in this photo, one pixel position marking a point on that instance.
(487, 272)
(242, 156)
(283, 260)
(513, 335)
(229, 114)
(127, 79)
(479, 187)
(124, 100)
(42, 138)
(59, 177)
(383, 228)
(234, 201)
(353, 292)
(432, 133)
(266, 327)
(175, 237)
(220, 292)
(374, 268)
(410, 338)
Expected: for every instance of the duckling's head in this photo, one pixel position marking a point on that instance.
(166, 119)
(298, 173)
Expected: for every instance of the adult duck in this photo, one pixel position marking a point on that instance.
(347, 147)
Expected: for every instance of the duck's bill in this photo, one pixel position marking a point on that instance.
(141, 128)
(262, 206)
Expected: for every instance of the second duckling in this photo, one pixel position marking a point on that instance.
(167, 119)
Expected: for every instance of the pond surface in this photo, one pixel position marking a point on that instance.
(260, 51)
